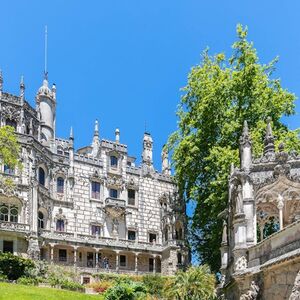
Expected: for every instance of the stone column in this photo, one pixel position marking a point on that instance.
(154, 264)
(51, 253)
(117, 261)
(280, 208)
(97, 257)
(136, 262)
(75, 256)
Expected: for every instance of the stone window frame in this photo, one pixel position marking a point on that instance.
(62, 217)
(132, 185)
(10, 207)
(119, 157)
(133, 230)
(98, 225)
(60, 175)
(148, 236)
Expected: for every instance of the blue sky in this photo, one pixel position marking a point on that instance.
(124, 62)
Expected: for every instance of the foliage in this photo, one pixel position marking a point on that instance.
(197, 283)
(14, 266)
(101, 286)
(9, 147)
(71, 285)
(3, 278)
(154, 284)
(39, 270)
(220, 94)
(22, 292)
(27, 281)
(126, 291)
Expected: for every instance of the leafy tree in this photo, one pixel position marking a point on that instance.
(197, 283)
(9, 147)
(220, 94)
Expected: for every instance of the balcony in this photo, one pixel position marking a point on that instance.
(14, 227)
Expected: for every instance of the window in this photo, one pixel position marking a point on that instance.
(129, 164)
(151, 264)
(13, 214)
(60, 225)
(4, 213)
(41, 176)
(131, 197)
(179, 234)
(41, 220)
(8, 246)
(179, 258)
(95, 190)
(114, 161)
(96, 229)
(60, 185)
(8, 170)
(11, 123)
(62, 255)
(152, 237)
(122, 261)
(9, 213)
(131, 235)
(113, 193)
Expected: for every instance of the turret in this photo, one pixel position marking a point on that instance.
(46, 105)
(245, 148)
(269, 139)
(147, 149)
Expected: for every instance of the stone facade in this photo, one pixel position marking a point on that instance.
(260, 247)
(93, 208)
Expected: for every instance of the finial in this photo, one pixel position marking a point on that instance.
(46, 46)
(117, 133)
(269, 138)
(96, 131)
(1, 81)
(22, 88)
(245, 137)
(71, 133)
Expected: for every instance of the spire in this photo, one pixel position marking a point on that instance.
(71, 134)
(22, 88)
(96, 130)
(46, 54)
(117, 133)
(245, 137)
(269, 138)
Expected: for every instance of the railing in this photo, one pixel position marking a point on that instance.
(115, 202)
(16, 227)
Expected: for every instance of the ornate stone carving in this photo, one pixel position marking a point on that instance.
(132, 184)
(241, 263)
(11, 112)
(252, 293)
(115, 182)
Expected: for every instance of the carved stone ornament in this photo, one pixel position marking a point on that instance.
(252, 293)
(8, 189)
(10, 112)
(115, 182)
(132, 184)
(295, 295)
(241, 263)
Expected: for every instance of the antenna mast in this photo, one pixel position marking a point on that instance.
(46, 45)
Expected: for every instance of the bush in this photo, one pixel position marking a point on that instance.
(28, 281)
(101, 286)
(154, 284)
(126, 291)
(14, 266)
(3, 278)
(71, 285)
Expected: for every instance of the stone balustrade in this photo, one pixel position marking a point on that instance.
(10, 226)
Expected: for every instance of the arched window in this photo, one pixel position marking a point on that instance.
(60, 225)
(113, 161)
(41, 176)
(41, 220)
(3, 213)
(60, 185)
(13, 214)
(11, 123)
(179, 258)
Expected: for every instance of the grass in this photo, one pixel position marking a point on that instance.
(9, 291)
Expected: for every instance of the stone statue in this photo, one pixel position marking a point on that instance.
(239, 200)
(252, 293)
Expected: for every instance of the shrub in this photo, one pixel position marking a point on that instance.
(14, 266)
(3, 278)
(71, 285)
(126, 291)
(154, 284)
(101, 286)
(27, 281)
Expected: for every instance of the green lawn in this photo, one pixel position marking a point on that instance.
(9, 291)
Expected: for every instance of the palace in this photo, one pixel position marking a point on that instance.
(260, 247)
(93, 208)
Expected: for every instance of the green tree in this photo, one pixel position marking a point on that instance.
(220, 94)
(197, 283)
(9, 147)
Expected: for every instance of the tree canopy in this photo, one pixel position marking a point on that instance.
(220, 94)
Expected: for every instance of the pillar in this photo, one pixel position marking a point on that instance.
(154, 264)
(51, 253)
(117, 261)
(136, 262)
(75, 256)
(280, 208)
